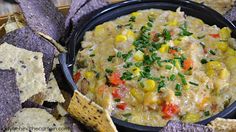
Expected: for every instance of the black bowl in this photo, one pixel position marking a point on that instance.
(113, 11)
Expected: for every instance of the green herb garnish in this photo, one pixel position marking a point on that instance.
(212, 52)
(206, 113)
(166, 34)
(168, 67)
(201, 37)
(203, 61)
(92, 55)
(117, 100)
(184, 30)
(172, 77)
(110, 58)
(178, 93)
(108, 70)
(161, 85)
(184, 82)
(119, 54)
(128, 64)
(127, 75)
(193, 83)
(127, 115)
(132, 19)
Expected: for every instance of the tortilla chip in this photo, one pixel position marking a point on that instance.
(43, 16)
(223, 125)
(74, 7)
(35, 120)
(53, 93)
(90, 114)
(25, 38)
(9, 97)
(178, 126)
(92, 5)
(28, 65)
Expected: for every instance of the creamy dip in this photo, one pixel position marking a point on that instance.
(152, 66)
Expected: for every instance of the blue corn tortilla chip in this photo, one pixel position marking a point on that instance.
(43, 16)
(89, 7)
(178, 126)
(25, 38)
(74, 7)
(9, 97)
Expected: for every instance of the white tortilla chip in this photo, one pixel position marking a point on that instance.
(223, 125)
(36, 120)
(90, 114)
(29, 69)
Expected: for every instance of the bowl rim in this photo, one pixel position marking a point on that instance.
(65, 59)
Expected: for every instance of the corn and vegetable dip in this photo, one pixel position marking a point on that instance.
(152, 66)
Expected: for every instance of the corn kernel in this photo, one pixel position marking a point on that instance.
(121, 38)
(229, 52)
(138, 56)
(149, 85)
(150, 98)
(135, 14)
(225, 33)
(177, 42)
(186, 87)
(211, 73)
(191, 117)
(137, 94)
(89, 75)
(224, 73)
(203, 103)
(173, 23)
(164, 48)
(136, 71)
(130, 34)
(223, 46)
(215, 65)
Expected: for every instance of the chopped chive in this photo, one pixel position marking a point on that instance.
(168, 67)
(206, 113)
(92, 55)
(109, 70)
(128, 64)
(172, 77)
(119, 54)
(184, 82)
(178, 93)
(117, 100)
(132, 19)
(203, 61)
(149, 24)
(181, 75)
(178, 87)
(127, 115)
(127, 75)
(212, 52)
(161, 85)
(166, 34)
(110, 58)
(201, 37)
(193, 83)
(138, 64)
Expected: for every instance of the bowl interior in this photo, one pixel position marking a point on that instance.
(116, 10)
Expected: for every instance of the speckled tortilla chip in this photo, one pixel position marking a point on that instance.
(28, 66)
(223, 125)
(9, 97)
(36, 120)
(74, 7)
(90, 114)
(43, 16)
(25, 38)
(177, 126)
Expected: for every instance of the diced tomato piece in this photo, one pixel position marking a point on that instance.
(215, 35)
(169, 110)
(76, 77)
(121, 106)
(172, 51)
(115, 79)
(116, 93)
(172, 32)
(188, 63)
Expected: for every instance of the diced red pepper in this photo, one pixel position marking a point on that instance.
(188, 63)
(172, 33)
(76, 77)
(121, 106)
(215, 35)
(172, 51)
(115, 79)
(169, 110)
(116, 93)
